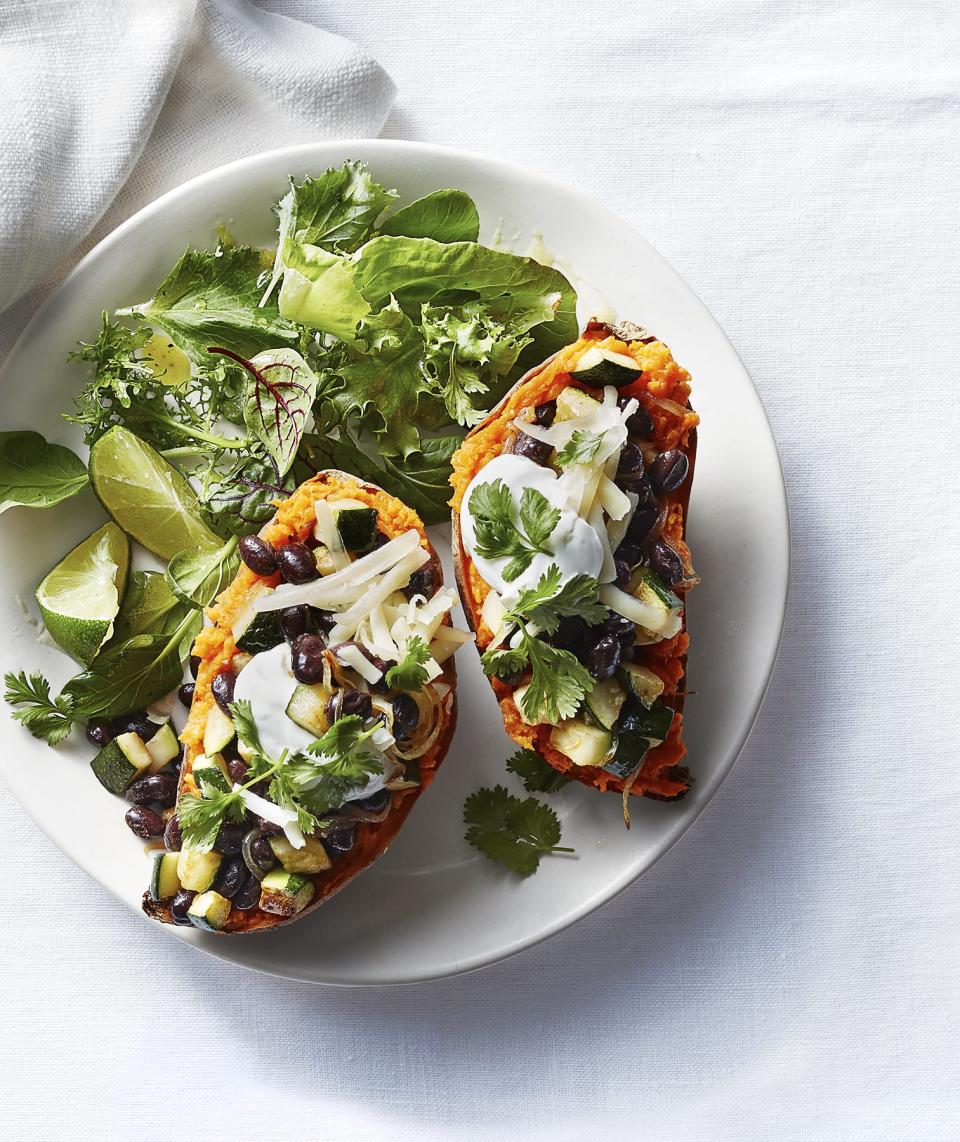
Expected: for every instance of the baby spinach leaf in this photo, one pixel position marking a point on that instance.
(197, 577)
(35, 473)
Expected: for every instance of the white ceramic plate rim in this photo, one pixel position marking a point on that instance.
(371, 149)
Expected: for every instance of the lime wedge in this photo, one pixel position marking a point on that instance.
(80, 597)
(147, 496)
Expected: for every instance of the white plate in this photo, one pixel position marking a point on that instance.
(432, 906)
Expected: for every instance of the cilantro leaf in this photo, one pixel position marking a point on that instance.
(514, 832)
(548, 602)
(246, 727)
(409, 673)
(558, 683)
(497, 534)
(580, 448)
(537, 775)
(200, 818)
(213, 299)
(49, 719)
(505, 662)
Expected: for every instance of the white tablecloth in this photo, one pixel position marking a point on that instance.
(790, 970)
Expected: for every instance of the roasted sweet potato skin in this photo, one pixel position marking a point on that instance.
(662, 380)
(215, 647)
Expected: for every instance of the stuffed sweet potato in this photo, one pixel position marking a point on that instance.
(325, 701)
(569, 515)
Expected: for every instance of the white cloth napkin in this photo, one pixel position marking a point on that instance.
(113, 102)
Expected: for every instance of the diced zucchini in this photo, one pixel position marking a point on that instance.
(308, 707)
(285, 893)
(641, 682)
(599, 367)
(602, 704)
(262, 633)
(197, 870)
(640, 729)
(211, 775)
(209, 910)
(582, 743)
(357, 528)
(163, 747)
(218, 731)
(120, 762)
(572, 403)
(647, 584)
(247, 614)
(164, 880)
(311, 858)
(645, 605)
(322, 556)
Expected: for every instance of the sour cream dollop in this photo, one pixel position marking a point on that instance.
(573, 544)
(267, 683)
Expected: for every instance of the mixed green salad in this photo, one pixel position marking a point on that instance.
(370, 339)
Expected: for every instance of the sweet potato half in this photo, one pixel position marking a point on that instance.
(215, 646)
(663, 388)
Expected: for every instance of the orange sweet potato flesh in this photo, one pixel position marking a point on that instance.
(215, 647)
(661, 775)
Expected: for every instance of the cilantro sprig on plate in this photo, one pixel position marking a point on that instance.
(515, 832)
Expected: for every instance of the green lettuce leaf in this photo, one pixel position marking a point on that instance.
(444, 216)
(212, 299)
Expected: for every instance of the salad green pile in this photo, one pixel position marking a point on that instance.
(370, 339)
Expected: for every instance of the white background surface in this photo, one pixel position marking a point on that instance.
(790, 970)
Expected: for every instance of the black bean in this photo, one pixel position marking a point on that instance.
(223, 687)
(343, 703)
(229, 840)
(545, 414)
(340, 840)
(297, 564)
(422, 582)
(249, 895)
(307, 656)
(237, 768)
(185, 693)
(639, 423)
(137, 723)
(631, 459)
(172, 836)
(262, 852)
(180, 905)
(629, 553)
(230, 877)
(622, 629)
(144, 822)
(160, 788)
(258, 554)
(324, 621)
(570, 634)
(531, 449)
(604, 656)
(100, 732)
(295, 621)
(643, 522)
(669, 470)
(376, 802)
(194, 665)
(379, 539)
(268, 828)
(623, 569)
(406, 716)
(667, 563)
